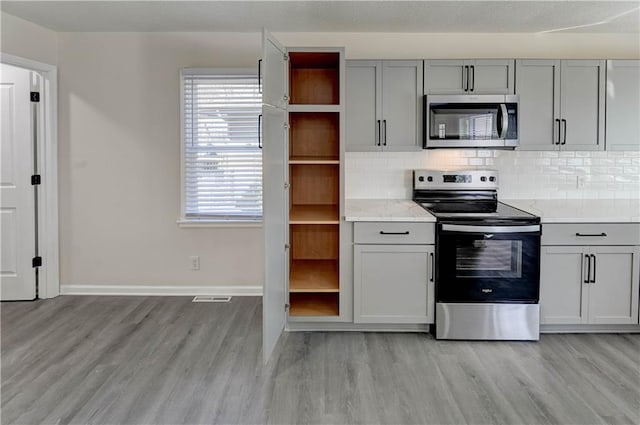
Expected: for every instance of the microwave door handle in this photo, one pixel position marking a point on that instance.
(505, 121)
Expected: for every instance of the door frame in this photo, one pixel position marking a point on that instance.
(48, 275)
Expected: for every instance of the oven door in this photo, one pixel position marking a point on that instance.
(497, 264)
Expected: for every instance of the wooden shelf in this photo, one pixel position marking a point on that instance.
(314, 78)
(314, 241)
(314, 276)
(314, 135)
(313, 107)
(313, 305)
(314, 184)
(314, 214)
(311, 161)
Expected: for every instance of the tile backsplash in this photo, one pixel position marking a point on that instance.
(523, 175)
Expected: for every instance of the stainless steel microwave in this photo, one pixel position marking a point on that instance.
(471, 121)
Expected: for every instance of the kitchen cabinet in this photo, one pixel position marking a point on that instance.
(561, 104)
(303, 153)
(383, 105)
(623, 105)
(479, 76)
(394, 273)
(592, 283)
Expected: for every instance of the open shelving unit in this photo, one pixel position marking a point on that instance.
(314, 176)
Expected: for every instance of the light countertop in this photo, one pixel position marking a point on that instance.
(580, 210)
(385, 210)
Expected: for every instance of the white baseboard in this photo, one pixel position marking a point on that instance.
(147, 290)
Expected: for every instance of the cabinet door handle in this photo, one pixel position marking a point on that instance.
(259, 75)
(473, 78)
(384, 122)
(588, 259)
(260, 131)
(596, 235)
(564, 136)
(558, 138)
(382, 232)
(433, 265)
(593, 279)
(379, 132)
(466, 74)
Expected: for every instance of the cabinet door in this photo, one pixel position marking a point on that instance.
(623, 105)
(613, 297)
(274, 154)
(401, 105)
(445, 77)
(363, 106)
(582, 105)
(538, 85)
(562, 285)
(491, 76)
(274, 72)
(393, 283)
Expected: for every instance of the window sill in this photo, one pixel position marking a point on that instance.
(187, 224)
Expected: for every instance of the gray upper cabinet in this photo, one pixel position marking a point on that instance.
(383, 106)
(561, 104)
(479, 76)
(623, 105)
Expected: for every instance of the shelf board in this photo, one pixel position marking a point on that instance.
(314, 214)
(312, 160)
(313, 108)
(314, 276)
(313, 305)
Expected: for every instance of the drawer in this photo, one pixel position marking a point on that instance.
(591, 234)
(393, 233)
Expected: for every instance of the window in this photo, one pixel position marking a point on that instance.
(222, 164)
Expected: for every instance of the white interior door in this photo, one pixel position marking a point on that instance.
(17, 213)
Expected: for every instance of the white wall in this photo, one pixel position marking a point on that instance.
(119, 144)
(120, 163)
(25, 39)
(447, 46)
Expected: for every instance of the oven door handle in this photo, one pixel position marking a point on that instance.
(490, 229)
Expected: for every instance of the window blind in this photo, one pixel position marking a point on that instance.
(222, 161)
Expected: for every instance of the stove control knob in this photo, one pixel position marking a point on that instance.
(429, 179)
(483, 179)
(492, 179)
(421, 179)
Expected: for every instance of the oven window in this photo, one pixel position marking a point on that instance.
(489, 258)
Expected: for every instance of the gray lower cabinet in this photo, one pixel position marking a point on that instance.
(589, 285)
(383, 105)
(470, 76)
(623, 105)
(393, 283)
(561, 104)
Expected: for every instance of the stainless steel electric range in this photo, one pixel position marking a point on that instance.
(487, 276)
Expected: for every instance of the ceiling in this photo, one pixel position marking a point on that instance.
(333, 16)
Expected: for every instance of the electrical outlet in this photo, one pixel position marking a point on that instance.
(581, 181)
(195, 262)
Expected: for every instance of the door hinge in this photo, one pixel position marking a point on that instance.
(34, 96)
(36, 262)
(286, 246)
(286, 185)
(286, 125)
(35, 179)
(286, 57)
(286, 98)
(286, 307)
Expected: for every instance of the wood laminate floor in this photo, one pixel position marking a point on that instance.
(143, 360)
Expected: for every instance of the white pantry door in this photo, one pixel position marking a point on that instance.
(17, 212)
(275, 193)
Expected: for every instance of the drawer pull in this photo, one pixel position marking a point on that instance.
(382, 232)
(592, 234)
